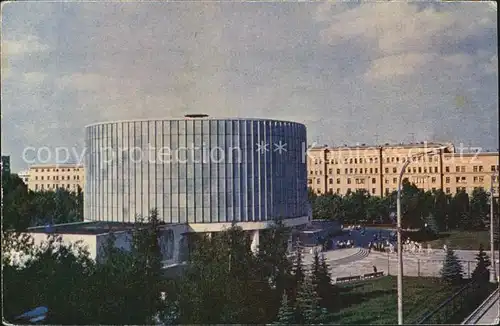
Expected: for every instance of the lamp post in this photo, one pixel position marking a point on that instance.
(400, 243)
(492, 235)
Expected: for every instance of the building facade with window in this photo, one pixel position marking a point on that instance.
(24, 175)
(376, 168)
(50, 177)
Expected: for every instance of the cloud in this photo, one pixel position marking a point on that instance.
(397, 65)
(28, 44)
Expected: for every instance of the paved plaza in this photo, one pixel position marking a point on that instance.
(419, 264)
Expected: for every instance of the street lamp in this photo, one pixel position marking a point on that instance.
(400, 243)
(492, 236)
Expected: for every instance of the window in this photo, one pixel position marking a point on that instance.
(330, 181)
(447, 179)
(414, 170)
(433, 189)
(386, 181)
(42, 170)
(480, 168)
(392, 159)
(394, 180)
(309, 181)
(338, 171)
(457, 169)
(48, 177)
(355, 170)
(373, 190)
(481, 179)
(346, 171)
(433, 179)
(338, 190)
(436, 169)
(311, 172)
(348, 181)
(338, 180)
(394, 170)
(376, 170)
(386, 191)
(330, 171)
(448, 190)
(457, 179)
(458, 189)
(348, 189)
(374, 180)
(350, 161)
(386, 170)
(350, 170)
(42, 177)
(493, 168)
(36, 170)
(360, 161)
(320, 172)
(36, 187)
(355, 161)
(371, 170)
(475, 179)
(36, 178)
(318, 181)
(474, 168)
(419, 169)
(447, 169)
(388, 160)
(462, 169)
(316, 172)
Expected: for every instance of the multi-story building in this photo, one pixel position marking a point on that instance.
(54, 176)
(24, 175)
(377, 168)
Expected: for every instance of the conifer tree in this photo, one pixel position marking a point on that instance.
(297, 271)
(308, 309)
(451, 272)
(321, 278)
(286, 313)
(481, 272)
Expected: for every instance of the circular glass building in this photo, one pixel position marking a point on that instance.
(196, 170)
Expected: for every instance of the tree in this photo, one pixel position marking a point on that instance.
(412, 203)
(308, 309)
(458, 206)
(479, 206)
(481, 272)
(321, 279)
(297, 270)
(451, 272)
(432, 224)
(56, 276)
(286, 313)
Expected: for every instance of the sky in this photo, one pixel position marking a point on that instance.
(352, 72)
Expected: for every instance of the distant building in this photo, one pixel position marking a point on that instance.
(376, 168)
(24, 175)
(53, 176)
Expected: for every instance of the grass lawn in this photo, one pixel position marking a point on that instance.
(465, 240)
(375, 301)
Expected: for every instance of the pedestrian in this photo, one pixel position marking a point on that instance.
(374, 269)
